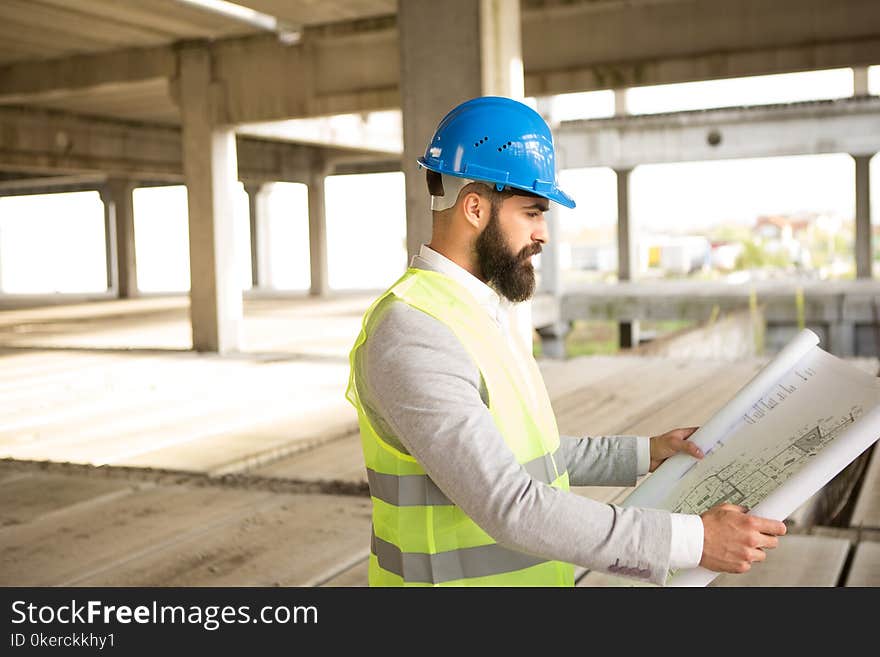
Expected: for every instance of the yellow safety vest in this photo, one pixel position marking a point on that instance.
(420, 538)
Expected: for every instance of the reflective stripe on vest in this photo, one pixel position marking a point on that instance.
(464, 563)
(419, 490)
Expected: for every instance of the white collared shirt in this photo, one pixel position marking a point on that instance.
(498, 308)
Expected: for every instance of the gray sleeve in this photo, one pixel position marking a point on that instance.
(419, 382)
(601, 460)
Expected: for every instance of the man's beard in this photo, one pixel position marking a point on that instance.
(512, 275)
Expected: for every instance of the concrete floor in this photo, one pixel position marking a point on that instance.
(174, 468)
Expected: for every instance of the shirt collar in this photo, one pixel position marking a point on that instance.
(428, 258)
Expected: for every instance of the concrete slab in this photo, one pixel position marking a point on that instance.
(291, 540)
(340, 460)
(29, 497)
(798, 561)
(865, 568)
(354, 576)
(156, 533)
(866, 512)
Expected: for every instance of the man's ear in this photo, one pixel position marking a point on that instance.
(474, 210)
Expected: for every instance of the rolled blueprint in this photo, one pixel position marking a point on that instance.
(782, 502)
(783, 436)
(652, 491)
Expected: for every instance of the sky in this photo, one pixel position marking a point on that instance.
(366, 214)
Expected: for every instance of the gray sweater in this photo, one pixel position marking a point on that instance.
(424, 394)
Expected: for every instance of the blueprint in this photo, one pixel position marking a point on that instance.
(800, 421)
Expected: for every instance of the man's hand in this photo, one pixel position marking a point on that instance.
(733, 541)
(672, 442)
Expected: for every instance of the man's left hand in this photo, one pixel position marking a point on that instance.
(670, 443)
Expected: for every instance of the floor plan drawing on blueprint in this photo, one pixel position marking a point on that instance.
(747, 479)
(802, 419)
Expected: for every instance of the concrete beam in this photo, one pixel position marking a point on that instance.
(210, 173)
(36, 184)
(43, 141)
(586, 44)
(824, 301)
(837, 310)
(45, 80)
(327, 73)
(835, 126)
(566, 46)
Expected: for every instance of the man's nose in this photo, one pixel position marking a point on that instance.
(541, 233)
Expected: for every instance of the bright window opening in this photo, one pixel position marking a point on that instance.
(366, 230)
(52, 243)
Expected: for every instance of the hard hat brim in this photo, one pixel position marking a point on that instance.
(556, 195)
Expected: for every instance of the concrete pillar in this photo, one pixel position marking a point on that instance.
(860, 80)
(450, 51)
(620, 108)
(551, 275)
(258, 206)
(119, 235)
(319, 285)
(552, 336)
(627, 257)
(842, 338)
(211, 174)
(864, 260)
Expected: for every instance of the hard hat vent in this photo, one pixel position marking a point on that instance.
(503, 147)
(477, 144)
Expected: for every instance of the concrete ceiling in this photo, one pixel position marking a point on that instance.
(311, 12)
(46, 29)
(33, 30)
(118, 59)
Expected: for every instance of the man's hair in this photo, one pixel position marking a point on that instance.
(485, 189)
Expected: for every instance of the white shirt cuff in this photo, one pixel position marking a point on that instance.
(643, 455)
(687, 541)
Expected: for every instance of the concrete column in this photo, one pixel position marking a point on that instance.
(627, 257)
(551, 271)
(551, 275)
(481, 55)
(842, 338)
(119, 237)
(627, 261)
(211, 174)
(319, 285)
(261, 267)
(552, 336)
(863, 217)
(860, 80)
(620, 108)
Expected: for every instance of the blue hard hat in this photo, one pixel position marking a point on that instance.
(497, 140)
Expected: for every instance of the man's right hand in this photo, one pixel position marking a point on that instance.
(733, 540)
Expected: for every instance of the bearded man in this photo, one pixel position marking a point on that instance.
(468, 474)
